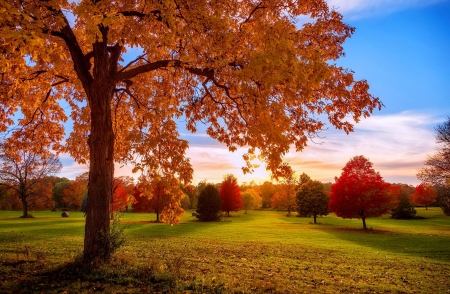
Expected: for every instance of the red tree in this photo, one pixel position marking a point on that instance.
(141, 201)
(424, 195)
(120, 197)
(230, 194)
(360, 192)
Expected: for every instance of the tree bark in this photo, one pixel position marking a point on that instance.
(157, 217)
(315, 219)
(101, 165)
(364, 223)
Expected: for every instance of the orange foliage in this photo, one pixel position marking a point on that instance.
(41, 197)
(73, 194)
(246, 68)
(285, 198)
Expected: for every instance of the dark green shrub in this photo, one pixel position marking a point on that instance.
(209, 204)
(405, 208)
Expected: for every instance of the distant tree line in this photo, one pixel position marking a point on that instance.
(28, 181)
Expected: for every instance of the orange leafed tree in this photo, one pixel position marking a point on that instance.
(42, 196)
(158, 196)
(73, 195)
(285, 198)
(424, 195)
(360, 192)
(257, 78)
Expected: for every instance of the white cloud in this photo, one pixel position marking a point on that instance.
(396, 144)
(364, 8)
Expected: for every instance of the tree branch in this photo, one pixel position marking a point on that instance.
(80, 64)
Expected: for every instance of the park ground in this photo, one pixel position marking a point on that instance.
(258, 252)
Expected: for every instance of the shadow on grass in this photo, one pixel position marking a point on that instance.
(118, 277)
(419, 245)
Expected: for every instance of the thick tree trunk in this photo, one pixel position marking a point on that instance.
(364, 223)
(101, 165)
(315, 219)
(157, 217)
(426, 207)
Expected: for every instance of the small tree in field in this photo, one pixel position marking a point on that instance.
(209, 204)
(424, 195)
(230, 194)
(405, 208)
(267, 190)
(21, 171)
(251, 200)
(360, 192)
(285, 197)
(312, 200)
(155, 196)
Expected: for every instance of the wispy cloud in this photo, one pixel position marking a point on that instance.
(363, 8)
(397, 145)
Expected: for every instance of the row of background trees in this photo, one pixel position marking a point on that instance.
(27, 181)
(360, 192)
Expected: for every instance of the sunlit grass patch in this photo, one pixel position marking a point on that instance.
(262, 251)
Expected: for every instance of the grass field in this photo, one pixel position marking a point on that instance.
(262, 251)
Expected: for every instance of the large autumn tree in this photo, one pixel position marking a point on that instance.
(360, 192)
(230, 194)
(248, 69)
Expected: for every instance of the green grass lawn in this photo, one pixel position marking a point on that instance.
(262, 251)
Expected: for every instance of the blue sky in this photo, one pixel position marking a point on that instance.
(402, 49)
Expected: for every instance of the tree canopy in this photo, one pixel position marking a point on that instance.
(424, 195)
(312, 200)
(360, 192)
(209, 204)
(249, 70)
(230, 194)
(23, 170)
